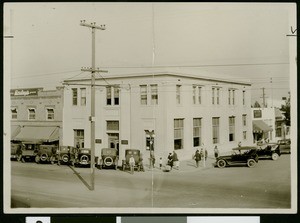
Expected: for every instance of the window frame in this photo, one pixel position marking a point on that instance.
(179, 129)
(14, 114)
(178, 94)
(29, 114)
(215, 129)
(154, 94)
(83, 96)
(199, 127)
(144, 94)
(231, 120)
(74, 96)
(47, 114)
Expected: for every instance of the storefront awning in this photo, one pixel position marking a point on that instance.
(261, 126)
(38, 134)
(14, 130)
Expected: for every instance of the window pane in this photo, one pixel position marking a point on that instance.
(74, 96)
(108, 95)
(143, 92)
(154, 94)
(116, 95)
(113, 125)
(83, 96)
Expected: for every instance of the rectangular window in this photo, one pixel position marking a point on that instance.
(79, 138)
(83, 96)
(14, 113)
(50, 114)
(231, 96)
(74, 96)
(244, 99)
(213, 96)
(231, 128)
(112, 125)
(116, 95)
(257, 114)
(244, 120)
(278, 131)
(178, 89)
(178, 134)
(199, 95)
(215, 129)
(194, 94)
(154, 94)
(31, 113)
(108, 95)
(196, 132)
(244, 135)
(143, 92)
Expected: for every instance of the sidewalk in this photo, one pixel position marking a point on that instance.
(184, 166)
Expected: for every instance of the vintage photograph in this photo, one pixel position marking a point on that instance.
(150, 108)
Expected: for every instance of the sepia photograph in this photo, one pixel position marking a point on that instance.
(150, 107)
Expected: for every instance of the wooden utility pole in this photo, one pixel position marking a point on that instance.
(264, 97)
(92, 117)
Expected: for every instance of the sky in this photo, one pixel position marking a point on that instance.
(242, 41)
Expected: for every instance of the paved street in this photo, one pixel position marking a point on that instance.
(267, 185)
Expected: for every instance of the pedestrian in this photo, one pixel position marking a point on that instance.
(175, 160)
(131, 164)
(240, 144)
(170, 160)
(140, 164)
(216, 152)
(197, 158)
(205, 154)
(160, 162)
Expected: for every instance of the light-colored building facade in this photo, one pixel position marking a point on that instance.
(183, 111)
(36, 115)
(268, 123)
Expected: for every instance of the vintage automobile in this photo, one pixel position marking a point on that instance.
(66, 155)
(29, 152)
(270, 151)
(83, 157)
(284, 145)
(136, 155)
(109, 158)
(46, 154)
(240, 156)
(16, 151)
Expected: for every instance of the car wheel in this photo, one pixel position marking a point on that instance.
(251, 163)
(275, 156)
(221, 163)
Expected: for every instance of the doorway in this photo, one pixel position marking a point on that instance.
(113, 141)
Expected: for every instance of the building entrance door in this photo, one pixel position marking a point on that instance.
(113, 140)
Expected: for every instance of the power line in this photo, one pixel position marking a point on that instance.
(45, 74)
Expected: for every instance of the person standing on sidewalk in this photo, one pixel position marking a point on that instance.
(197, 158)
(131, 164)
(175, 160)
(216, 151)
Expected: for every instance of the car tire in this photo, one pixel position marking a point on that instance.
(251, 163)
(275, 156)
(108, 161)
(221, 163)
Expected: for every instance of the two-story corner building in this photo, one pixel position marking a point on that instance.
(174, 111)
(36, 115)
(268, 123)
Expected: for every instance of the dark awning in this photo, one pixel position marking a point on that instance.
(261, 126)
(14, 130)
(38, 134)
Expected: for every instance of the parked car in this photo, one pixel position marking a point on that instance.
(270, 151)
(16, 151)
(284, 145)
(46, 154)
(109, 158)
(136, 155)
(29, 152)
(66, 155)
(83, 156)
(245, 155)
